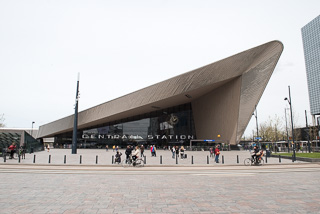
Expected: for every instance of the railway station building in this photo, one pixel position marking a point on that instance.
(214, 102)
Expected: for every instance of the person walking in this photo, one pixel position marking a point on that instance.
(151, 150)
(154, 153)
(217, 153)
(211, 152)
(182, 152)
(107, 148)
(12, 149)
(177, 151)
(128, 153)
(173, 150)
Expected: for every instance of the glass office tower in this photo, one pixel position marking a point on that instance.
(311, 46)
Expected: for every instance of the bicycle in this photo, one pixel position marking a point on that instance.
(251, 161)
(130, 162)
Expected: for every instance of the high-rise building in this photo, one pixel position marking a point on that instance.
(311, 46)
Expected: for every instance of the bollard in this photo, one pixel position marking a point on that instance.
(292, 159)
(19, 158)
(222, 159)
(192, 159)
(112, 159)
(279, 159)
(65, 159)
(207, 159)
(145, 160)
(4, 157)
(176, 159)
(80, 159)
(49, 161)
(97, 159)
(237, 158)
(266, 158)
(160, 159)
(34, 158)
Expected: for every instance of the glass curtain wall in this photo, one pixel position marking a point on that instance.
(163, 128)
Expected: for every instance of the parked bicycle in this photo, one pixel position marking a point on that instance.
(130, 162)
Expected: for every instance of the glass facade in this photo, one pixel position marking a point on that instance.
(28, 143)
(311, 46)
(163, 128)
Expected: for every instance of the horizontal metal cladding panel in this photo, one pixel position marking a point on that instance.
(206, 76)
(222, 70)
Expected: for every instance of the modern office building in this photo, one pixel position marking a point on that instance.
(214, 102)
(21, 137)
(311, 46)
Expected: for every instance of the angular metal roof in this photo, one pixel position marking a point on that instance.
(254, 68)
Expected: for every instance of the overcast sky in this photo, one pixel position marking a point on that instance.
(121, 46)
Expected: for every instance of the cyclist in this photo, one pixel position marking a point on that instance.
(255, 154)
(118, 157)
(136, 154)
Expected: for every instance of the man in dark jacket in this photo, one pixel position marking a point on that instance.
(128, 152)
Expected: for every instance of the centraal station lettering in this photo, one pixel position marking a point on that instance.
(138, 137)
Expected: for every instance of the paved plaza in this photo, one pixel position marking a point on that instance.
(103, 157)
(186, 188)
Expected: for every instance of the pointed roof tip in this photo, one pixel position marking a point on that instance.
(277, 42)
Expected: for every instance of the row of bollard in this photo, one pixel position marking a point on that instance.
(145, 159)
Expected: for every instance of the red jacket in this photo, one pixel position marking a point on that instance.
(217, 151)
(12, 147)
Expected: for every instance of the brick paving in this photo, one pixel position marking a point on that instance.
(199, 188)
(99, 189)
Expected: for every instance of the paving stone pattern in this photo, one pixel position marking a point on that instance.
(88, 157)
(159, 190)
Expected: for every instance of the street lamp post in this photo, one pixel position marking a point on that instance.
(32, 127)
(309, 148)
(290, 103)
(256, 116)
(285, 113)
(75, 125)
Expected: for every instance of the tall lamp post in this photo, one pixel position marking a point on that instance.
(309, 148)
(32, 127)
(285, 113)
(75, 125)
(256, 116)
(290, 103)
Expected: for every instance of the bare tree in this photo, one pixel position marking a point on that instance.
(272, 130)
(2, 120)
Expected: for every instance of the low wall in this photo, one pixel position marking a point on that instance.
(298, 158)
